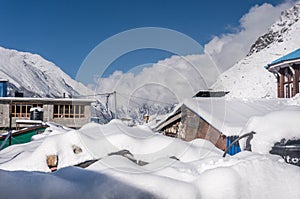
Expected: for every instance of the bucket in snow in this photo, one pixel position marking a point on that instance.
(36, 113)
(288, 150)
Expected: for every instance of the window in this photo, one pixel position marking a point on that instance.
(68, 111)
(23, 109)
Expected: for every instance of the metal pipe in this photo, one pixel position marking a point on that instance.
(236, 140)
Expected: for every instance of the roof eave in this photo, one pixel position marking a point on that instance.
(282, 64)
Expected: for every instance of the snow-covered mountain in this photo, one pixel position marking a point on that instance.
(248, 78)
(137, 113)
(35, 76)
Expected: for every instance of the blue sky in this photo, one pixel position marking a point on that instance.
(65, 31)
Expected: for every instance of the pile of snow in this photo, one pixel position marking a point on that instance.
(272, 128)
(96, 142)
(53, 129)
(196, 171)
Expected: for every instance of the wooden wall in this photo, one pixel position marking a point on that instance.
(288, 81)
(191, 127)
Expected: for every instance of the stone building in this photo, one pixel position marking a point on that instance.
(69, 112)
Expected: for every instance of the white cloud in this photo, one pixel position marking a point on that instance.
(169, 81)
(176, 78)
(228, 49)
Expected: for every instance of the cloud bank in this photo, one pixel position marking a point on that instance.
(178, 77)
(228, 49)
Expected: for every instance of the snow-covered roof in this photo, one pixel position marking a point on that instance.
(211, 93)
(285, 60)
(230, 116)
(26, 99)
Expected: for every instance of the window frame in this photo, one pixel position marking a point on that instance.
(22, 109)
(68, 111)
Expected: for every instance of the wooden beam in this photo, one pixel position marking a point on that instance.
(280, 83)
(288, 92)
(169, 121)
(296, 80)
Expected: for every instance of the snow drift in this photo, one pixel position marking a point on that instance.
(172, 169)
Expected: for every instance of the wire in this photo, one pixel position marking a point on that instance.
(131, 100)
(128, 96)
(132, 96)
(96, 94)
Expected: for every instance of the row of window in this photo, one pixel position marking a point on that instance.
(23, 110)
(68, 111)
(59, 111)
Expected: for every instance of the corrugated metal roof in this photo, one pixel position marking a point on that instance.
(291, 56)
(46, 100)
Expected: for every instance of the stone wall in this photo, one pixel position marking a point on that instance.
(194, 127)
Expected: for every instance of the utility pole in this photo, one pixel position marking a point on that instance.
(115, 95)
(106, 103)
(10, 121)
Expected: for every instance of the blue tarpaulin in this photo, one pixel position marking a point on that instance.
(235, 148)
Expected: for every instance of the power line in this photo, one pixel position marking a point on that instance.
(131, 101)
(96, 94)
(128, 96)
(147, 99)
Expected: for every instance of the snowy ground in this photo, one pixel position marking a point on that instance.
(198, 171)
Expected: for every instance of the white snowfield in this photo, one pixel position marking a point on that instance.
(171, 168)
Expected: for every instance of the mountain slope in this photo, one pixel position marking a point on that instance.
(248, 78)
(35, 76)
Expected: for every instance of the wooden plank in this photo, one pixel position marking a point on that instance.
(296, 80)
(281, 83)
(170, 121)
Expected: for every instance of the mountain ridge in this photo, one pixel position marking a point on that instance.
(36, 77)
(248, 78)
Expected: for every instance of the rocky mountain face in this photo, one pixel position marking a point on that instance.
(277, 31)
(248, 78)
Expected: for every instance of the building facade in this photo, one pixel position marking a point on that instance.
(287, 72)
(72, 113)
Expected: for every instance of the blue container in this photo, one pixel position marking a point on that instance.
(3, 88)
(235, 148)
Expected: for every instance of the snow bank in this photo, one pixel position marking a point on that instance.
(272, 128)
(141, 142)
(98, 141)
(173, 168)
(247, 175)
